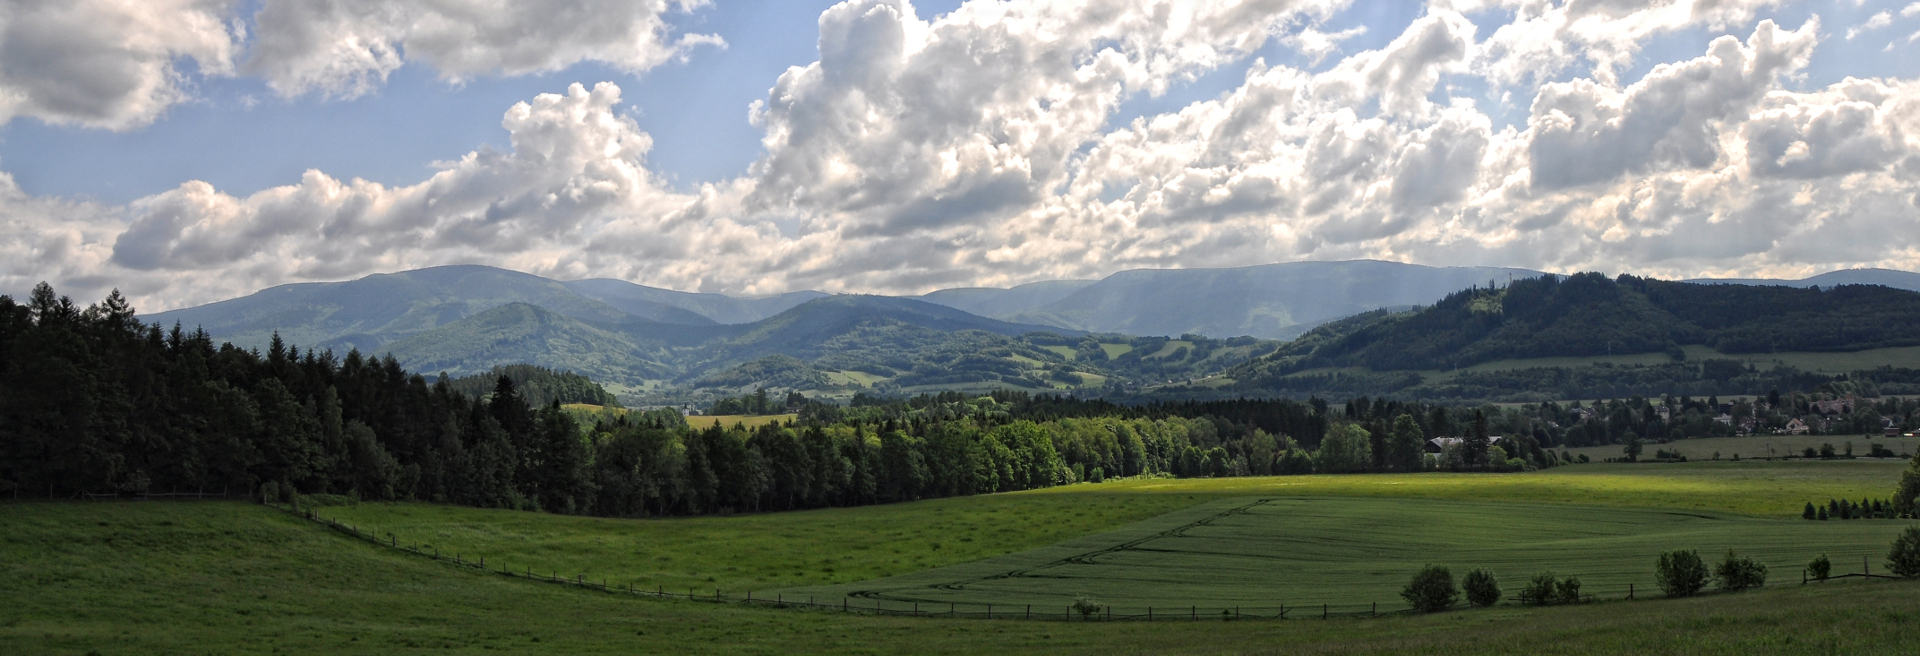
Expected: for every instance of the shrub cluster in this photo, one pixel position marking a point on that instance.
(1481, 588)
(1740, 573)
(1431, 590)
(1681, 573)
(1820, 568)
(1545, 589)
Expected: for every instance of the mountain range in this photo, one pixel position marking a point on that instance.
(1131, 329)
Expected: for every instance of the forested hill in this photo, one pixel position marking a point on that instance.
(1591, 315)
(540, 386)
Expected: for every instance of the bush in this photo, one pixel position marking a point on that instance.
(1820, 568)
(1086, 607)
(1568, 591)
(1738, 573)
(1431, 590)
(1539, 591)
(1481, 588)
(1904, 558)
(1681, 573)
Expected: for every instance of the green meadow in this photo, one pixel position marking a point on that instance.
(1759, 446)
(230, 578)
(776, 551)
(226, 577)
(1253, 555)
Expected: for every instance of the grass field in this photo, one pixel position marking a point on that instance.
(851, 377)
(700, 422)
(760, 552)
(843, 545)
(217, 578)
(1703, 448)
(1115, 350)
(1255, 554)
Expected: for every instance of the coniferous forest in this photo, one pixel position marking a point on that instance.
(98, 403)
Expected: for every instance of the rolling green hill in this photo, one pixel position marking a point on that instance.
(1272, 301)
(216, 578)
(1626, 335)
(371, 312)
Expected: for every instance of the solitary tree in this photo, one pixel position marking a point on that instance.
(1481, 588)
(1820, 568)
(1904, 558)
(1431, 590)
(1906, 497)
(1405, 449)
(1681, 573)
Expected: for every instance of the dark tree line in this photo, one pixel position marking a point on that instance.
(96, 402)
(539, 386)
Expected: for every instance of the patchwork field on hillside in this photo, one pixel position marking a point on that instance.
(1253, 555)
(844, 545)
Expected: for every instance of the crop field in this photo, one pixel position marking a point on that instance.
(760, 552)
(1759, 446)
(844, 545)
(223, 577)
(727, 421)
(1256, 554)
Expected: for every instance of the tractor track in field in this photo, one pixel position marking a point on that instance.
(1086, 558)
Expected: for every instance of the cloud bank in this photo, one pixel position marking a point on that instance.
(988, 146)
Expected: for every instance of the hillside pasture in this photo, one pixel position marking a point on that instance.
(1758, 446)
(1259, 553)
(844, 545)
(200, 578)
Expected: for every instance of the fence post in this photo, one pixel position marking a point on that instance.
(1283, 612)
(1803, 579)
(1323, 611)
(1194, 613)
(1864, 569)
(843, 604)
(1029, 611)
(1376, 608)
(989, 611)
(1149, 613)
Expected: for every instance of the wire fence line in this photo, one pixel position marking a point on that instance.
(990, 611)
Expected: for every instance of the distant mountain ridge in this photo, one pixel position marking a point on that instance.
(1906, 280)
(1270, 301)
(1073, 334)
(1589, 315)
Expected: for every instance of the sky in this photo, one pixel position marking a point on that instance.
(188, 151)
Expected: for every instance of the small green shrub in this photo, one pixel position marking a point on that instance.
(1539, 591)
(1820, 568)
(1481, 588)
(1567, 591)
(1086, 607)
(1740, 573)
(1431, 590)
(1681, 573)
